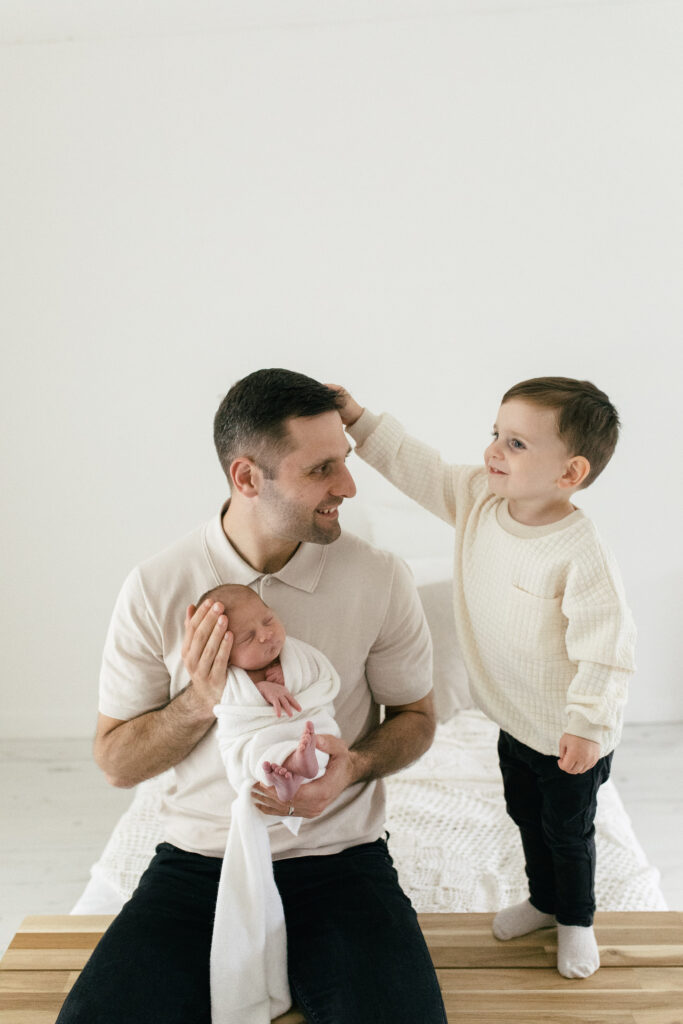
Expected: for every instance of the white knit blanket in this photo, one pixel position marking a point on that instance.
(249, 949)
(454, 846)
(456, 849)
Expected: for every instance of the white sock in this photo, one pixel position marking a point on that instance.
(520, 920)
(577, 951)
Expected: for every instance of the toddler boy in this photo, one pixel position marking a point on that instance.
(543, 624)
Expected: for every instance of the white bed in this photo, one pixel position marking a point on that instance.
(454, 846)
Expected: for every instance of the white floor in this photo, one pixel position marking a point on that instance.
(57, 812)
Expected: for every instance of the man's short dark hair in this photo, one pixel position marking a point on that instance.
(587, 421)
(252, 418)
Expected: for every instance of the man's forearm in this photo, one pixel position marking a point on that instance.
(138, 749)
(401, 739)
(130, 752)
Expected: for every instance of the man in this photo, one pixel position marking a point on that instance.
(355, 951)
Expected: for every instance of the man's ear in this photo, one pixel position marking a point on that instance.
(576, 471)
(246, 477)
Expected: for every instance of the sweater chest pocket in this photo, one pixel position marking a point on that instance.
(535, 625)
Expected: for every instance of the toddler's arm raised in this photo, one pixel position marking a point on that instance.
(414, 467)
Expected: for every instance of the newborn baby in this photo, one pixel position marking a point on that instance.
(268, 673)
(258, 637)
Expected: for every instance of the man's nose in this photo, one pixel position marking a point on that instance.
(343, 485)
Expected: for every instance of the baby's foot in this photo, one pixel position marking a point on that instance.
(577, 951)
(304, 761)
(286, 784)
(520, 920)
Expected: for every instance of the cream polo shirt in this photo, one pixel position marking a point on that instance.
(540, 611)
(356, 604)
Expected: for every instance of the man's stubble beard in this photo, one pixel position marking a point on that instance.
(286, 519)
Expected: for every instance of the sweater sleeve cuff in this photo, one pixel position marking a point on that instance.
(577, 725)
(366, 423)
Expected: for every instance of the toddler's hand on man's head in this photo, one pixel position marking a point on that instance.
(350, 410)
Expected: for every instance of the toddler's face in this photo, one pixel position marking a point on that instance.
(526, 457)
(258, 634)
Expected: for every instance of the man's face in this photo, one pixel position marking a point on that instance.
(257, 631)
(527, 456)
(302, 502)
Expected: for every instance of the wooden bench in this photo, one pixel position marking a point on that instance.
(483, 981)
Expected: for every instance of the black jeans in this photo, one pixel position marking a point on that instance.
(355, 950)
(554, 812)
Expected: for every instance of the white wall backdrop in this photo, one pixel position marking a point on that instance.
(425, 202)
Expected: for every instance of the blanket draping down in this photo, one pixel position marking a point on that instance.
(249, 950)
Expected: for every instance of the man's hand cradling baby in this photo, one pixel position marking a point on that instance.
(206, 649)
(313, 797)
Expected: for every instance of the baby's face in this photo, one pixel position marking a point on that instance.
(527, 456)
(258, 634)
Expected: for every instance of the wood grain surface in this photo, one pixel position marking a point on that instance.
(483, 981)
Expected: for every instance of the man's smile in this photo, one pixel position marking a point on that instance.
(331, 512)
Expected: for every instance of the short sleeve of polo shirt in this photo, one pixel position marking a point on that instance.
(399, 664)
(133, 677)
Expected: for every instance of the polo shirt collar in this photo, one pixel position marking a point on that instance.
(302, 571)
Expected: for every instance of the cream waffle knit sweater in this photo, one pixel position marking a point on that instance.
(540, 611)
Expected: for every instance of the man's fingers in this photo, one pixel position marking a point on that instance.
(266, 799)
(330, 744)
(200, 613)
(197, 621)
(207, 626)
(219, 669)
(206, 619)
(193, 616)
(209, 653)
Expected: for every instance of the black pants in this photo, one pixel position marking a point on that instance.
(356, 954)
(554, 812)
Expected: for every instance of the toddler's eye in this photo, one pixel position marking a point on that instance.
(494, 435)
(514, 443)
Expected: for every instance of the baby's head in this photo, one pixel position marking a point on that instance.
(552, 435)
(258, 634)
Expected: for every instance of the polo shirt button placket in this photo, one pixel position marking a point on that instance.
(265, 581)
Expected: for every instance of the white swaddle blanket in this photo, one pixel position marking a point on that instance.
(249, 948)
